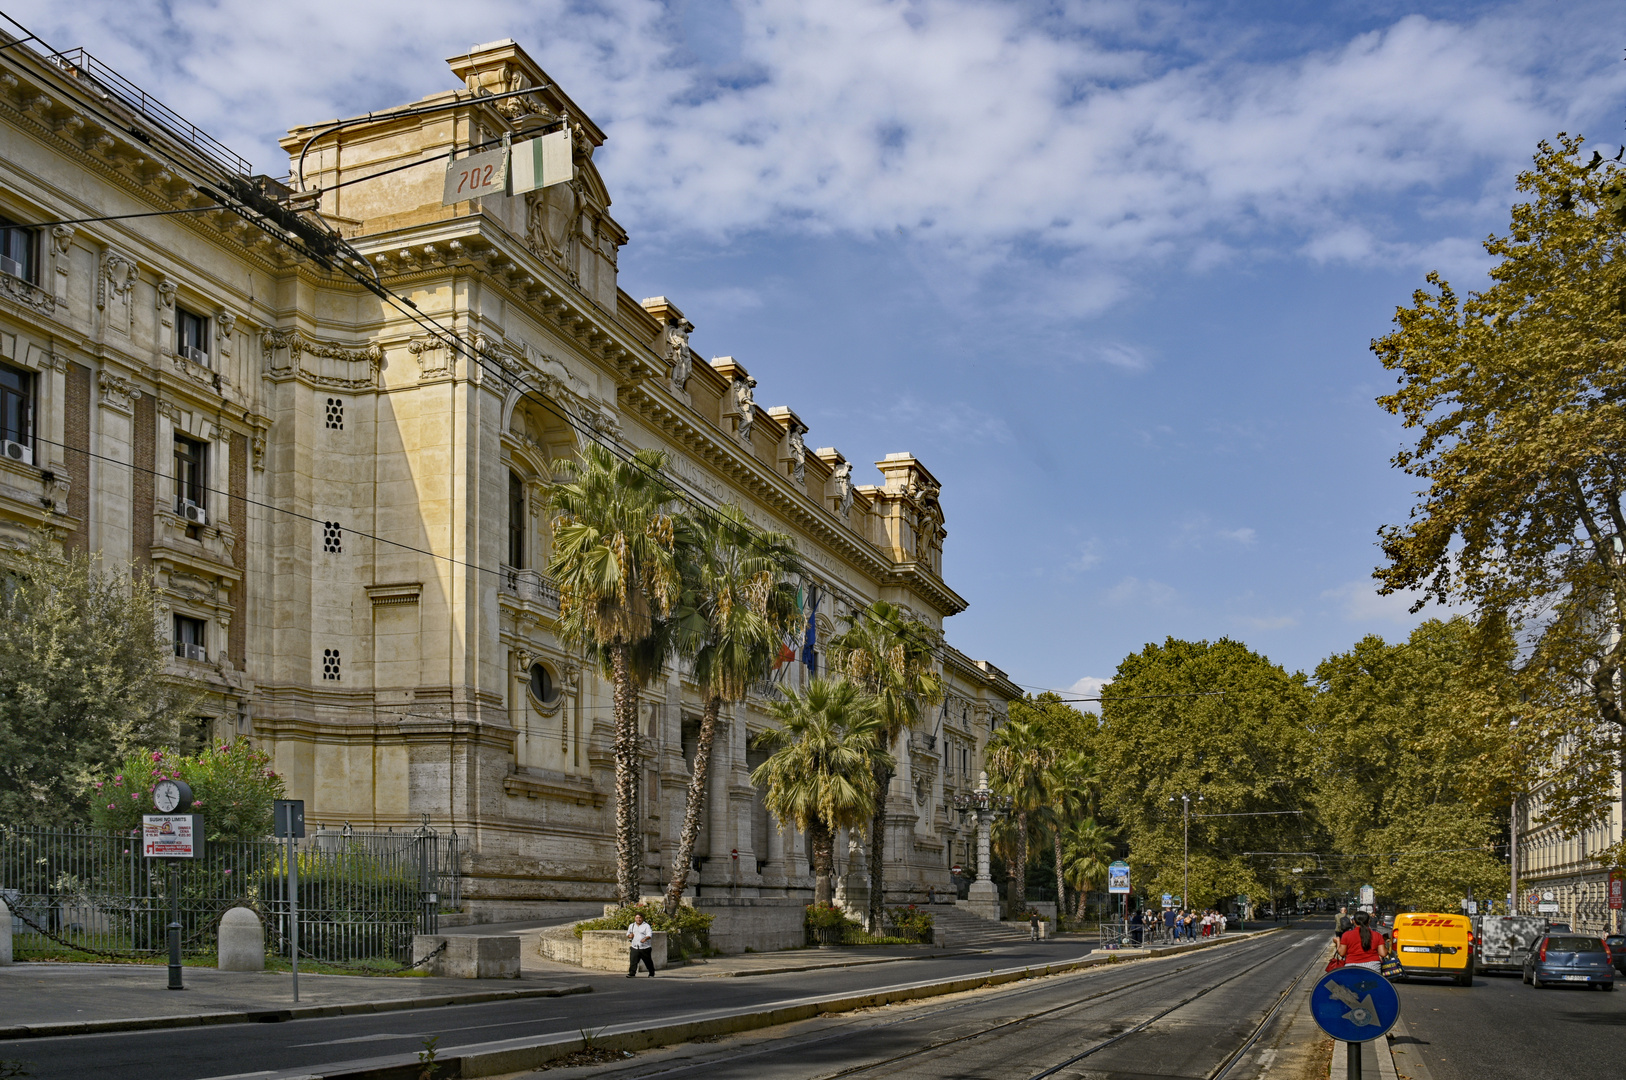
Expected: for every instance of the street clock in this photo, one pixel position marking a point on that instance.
(172, 797)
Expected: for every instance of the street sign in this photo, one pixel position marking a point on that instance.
(1118, 877)
(542, 162)
(1547, 894)
(1168, 899)
(288, 816)
(1616, 887)
(1354, 1004)
(478, 174)
(171, 836)
(1547, 907)
(1368, 896)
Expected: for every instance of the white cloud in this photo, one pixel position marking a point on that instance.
(1148, 593)
(1004, 137)
(1088, 686)
(1243, 536)
(1087, 557)
(1362, 604)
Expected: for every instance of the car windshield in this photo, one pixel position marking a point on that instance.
(1574, 944)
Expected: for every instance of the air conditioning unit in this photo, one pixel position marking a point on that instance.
(16, 451)
(195, 354)
(191, 652)
(194, 513)
(11, 266)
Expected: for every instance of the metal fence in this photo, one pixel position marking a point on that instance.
(362, 895)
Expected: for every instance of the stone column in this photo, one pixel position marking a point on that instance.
(983, 897)
(719, 867)
(774, 875)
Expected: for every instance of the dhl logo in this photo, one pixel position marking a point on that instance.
(1443, 921)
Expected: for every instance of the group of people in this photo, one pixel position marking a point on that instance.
(1184, 924)
(1357, 943)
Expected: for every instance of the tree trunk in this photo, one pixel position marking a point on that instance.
(626, 777)
(877, 850)
(1061, 882)
(821, 845)
(692, 810)
(1083, 898)
(1017, 890)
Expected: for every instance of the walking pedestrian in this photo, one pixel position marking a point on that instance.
(1220, 924)
(1361, 946)
(1033, 924)
(641, 936)
(1169, 917)
(931, 895)
(1136, 922)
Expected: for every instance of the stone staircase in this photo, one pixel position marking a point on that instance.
(967, 931)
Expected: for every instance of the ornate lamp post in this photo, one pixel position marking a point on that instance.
(984, 804)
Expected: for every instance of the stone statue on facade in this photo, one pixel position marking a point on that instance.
(843, 476)
(745, 404)
(798, 453)
(677, 350)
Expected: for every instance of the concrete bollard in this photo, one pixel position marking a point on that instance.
(242, 941)
(5, 934)
(469, 956)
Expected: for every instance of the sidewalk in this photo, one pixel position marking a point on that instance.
(73, 999)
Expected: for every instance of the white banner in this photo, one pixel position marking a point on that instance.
(543, 162)
(171, 836)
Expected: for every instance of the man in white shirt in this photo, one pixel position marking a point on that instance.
(641, 935)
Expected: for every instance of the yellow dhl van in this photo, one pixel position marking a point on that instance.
(1434, 944)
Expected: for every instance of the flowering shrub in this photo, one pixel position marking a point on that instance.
(828, 917)
(912, 922)
(233, 787)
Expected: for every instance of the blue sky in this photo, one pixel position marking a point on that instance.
(1109, 269)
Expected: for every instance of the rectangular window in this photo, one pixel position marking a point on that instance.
(332, 538)
(17, 414)
(192, 336)
(335, 413)
(191, 476)
(191, 638)
(516, 521)
(19, 250)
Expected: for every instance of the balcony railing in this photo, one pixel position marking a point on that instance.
(530, 587)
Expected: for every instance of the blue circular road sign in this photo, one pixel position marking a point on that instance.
(1354, 1004)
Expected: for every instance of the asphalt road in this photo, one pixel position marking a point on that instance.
(1180, 1016)
(1499, 1028)
(182, 1053)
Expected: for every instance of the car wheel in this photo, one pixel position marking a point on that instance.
(1607, 985)
(1535, 982)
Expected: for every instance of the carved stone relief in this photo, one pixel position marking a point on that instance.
(351, 368)
(798, 452)
(678, 352)
(843, 477)
(435, 360)
(114, 285)
(117, 392)
(745, 404)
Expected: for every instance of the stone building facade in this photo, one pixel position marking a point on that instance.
(341, 492)
(1557, 865)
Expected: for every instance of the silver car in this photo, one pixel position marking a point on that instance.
(1569, 958)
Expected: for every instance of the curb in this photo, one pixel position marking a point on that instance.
(496, 1059)
(272, 1016)
(831, 967)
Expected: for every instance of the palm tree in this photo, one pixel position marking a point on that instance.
(1017, 765)
(732, 615)
(1087, 851)
(1068, 782)
(890, 656)
(821, 776)
(614, 562)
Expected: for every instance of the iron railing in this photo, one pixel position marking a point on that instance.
(530, 586)
(80, 65)
(362, 895)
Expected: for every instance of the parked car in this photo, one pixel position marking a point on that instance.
(1617, 950)
(1570, 958)
(1506, 940)
(1435, 944)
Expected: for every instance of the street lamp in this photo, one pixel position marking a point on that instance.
(1185, 809)
(983, 804)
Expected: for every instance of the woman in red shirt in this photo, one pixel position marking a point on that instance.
(1361, 946)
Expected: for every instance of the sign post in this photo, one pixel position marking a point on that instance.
(172, 834)
(289, 821)
(1354, 1005)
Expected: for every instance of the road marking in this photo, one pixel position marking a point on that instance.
(383, 1037)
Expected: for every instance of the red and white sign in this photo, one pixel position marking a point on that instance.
(1615, 890)
(171, 836)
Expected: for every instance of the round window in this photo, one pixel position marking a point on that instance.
(542, 687)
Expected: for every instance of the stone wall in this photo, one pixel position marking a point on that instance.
(761, 924)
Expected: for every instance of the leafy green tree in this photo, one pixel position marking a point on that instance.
(821, 774)
(1069, 783)
(1087, 851)
(1397, 742)
(1018, 766)
(735, 607)
(614, 561)
(233, 787)
(1517, 395)
(1211, 720)
(81, 680)
(891, 657)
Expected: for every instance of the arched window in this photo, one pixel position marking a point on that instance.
(516, 521)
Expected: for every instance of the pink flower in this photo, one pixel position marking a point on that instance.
(110, 806)
(119, 779)
(197, 802)
(134, 796)
(98, 785)
(158, 755)
(228, 873)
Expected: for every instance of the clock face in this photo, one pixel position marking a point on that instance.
(166, 796)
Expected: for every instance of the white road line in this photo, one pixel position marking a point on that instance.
(382, 1037)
